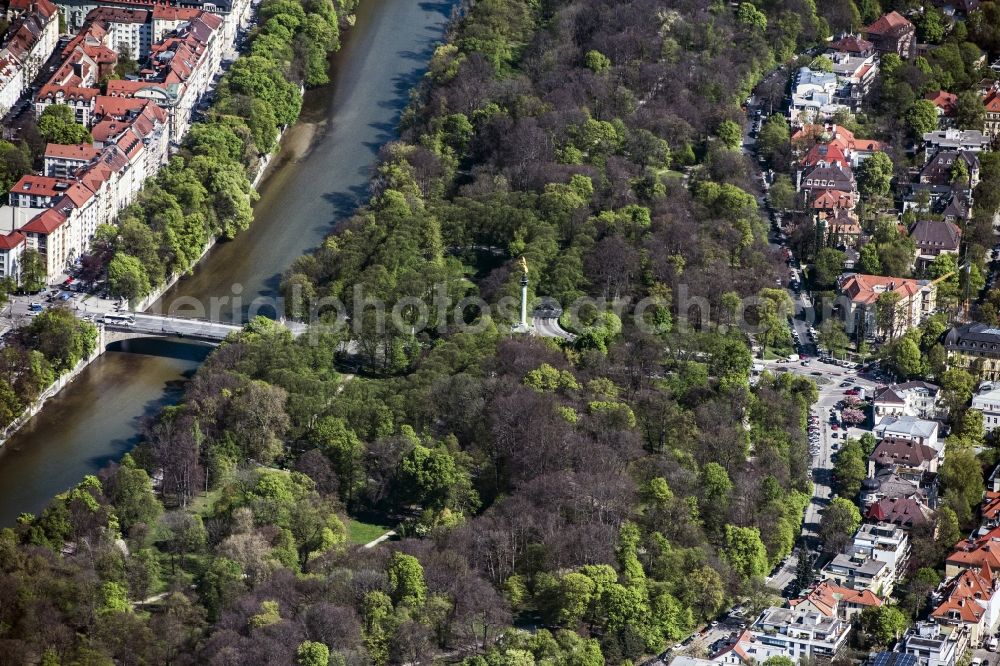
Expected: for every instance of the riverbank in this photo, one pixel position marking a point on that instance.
(317, 176)
(53, 390)
(261, 173)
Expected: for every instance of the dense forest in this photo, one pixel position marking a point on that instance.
(617, 491)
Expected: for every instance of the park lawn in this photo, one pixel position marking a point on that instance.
(361, 533)
(204, 503)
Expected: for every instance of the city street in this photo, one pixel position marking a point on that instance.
(828, 378)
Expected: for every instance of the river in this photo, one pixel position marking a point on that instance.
(319, 176)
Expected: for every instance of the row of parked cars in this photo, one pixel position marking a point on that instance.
(814, 432)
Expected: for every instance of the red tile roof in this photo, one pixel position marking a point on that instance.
(902, 511)
(824, 152)
(866, 289)
(11, 240)
(833, 200)
(78, 151)
(976, 553)
(944, 100)
(826, 596)
(992, 102)
(79, 194)
(45, 222)
(42, 186)
(161, 13)
(887, 23)
(968, 595)
(852, 44)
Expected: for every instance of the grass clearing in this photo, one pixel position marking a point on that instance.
(361, 533)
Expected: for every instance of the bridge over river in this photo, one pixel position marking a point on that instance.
(317, 179)
(159, 326)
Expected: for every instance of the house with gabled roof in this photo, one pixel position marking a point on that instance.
(917, 302)
(975, 347)
(832, 600)
(905, 457)
(971, 601)
(974, 553)
(893, 33)
(905, 512)
(932, 238)
(914, 398)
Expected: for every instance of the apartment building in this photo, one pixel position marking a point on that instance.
(62, 161)
(884, 542)
(933, 647)
(970, 602)
(917, 398)
(127, 29)
(798, 633)
(987, 401)
(976, 348)
(31, 38)
(916, 302)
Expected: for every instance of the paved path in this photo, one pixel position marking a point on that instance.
(385, 537)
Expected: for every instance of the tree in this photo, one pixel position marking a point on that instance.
(833, 337)
(597, 62)
(62, 338)
(745, 551)
(883, 625)
(875, 176)
(751, 17)
(704, 592)
(33, 271)
(957, 386)
(850, 468)
(730, 134)
(127, 278)
(904, 358)
(126, 61)
(782, 193)
(779, 660)
(773, 308)
(921, 118)
(311, 653)
(869, 10)
(829, 264)
(839, 523)
(930, 25)
(406, 580)
(821, 64)
(962, 481)
(773, 138)
(887, 313)
(15, 161)
(130, 490)
(57, 125)
(869, 261)
(970, 113)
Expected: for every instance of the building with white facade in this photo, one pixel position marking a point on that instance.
(883, 542)
(970, 601)
(127, 29)
(932, 646)
(798, 633)
(917, 398)
(31, 38)
(987, 401)
(910, 428)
